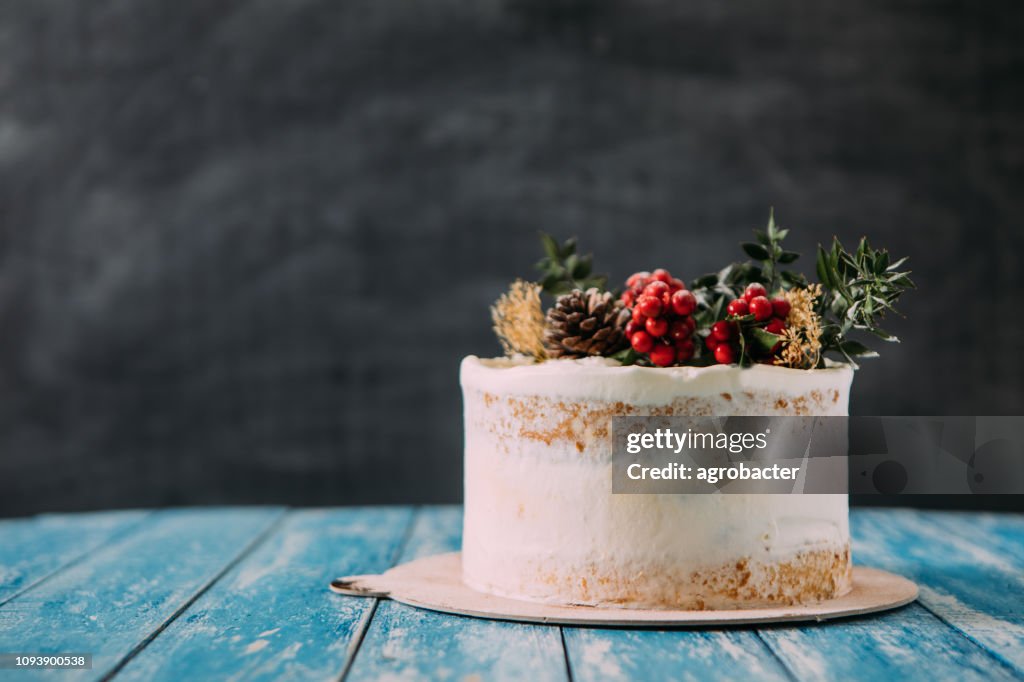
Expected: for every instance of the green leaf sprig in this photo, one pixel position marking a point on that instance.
(563, 270)
(716, 290)
(858, 289)
(768, 250)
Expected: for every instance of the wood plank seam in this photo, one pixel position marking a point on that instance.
(565, 654)
(983, 651)
(957, 627)
(995, 656)
(260, 538)
(790, 673)
(923, 601)
(364, 623)
(116, 535)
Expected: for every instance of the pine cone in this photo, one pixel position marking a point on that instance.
(585, 323)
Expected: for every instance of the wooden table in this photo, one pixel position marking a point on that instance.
(241, 593)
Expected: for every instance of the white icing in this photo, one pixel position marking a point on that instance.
(605, 379)
(536, 508)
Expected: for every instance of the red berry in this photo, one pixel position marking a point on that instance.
(677, 284)
(663, 355)
(775, 326)
(711, 342)
(722, 330)
(683, 302)
(691, 325)
(753, 291)
(628, 298)
(724, 354)
(657, 326)
(632, 328)
(638, 316)
(684, 350)
(637, 279)
(656, 289)
(739, 307)
(649, 306)
(780, 307)
(761, 307)
(661, 275)
(642, 342)
(679, 330)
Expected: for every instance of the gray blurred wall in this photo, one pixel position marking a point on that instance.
(243, 245)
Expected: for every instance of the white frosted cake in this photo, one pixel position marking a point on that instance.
(750, 339)
(542, 524)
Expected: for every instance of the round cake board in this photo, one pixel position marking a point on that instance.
(435, 583)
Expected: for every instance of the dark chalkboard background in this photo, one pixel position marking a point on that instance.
(244, 244)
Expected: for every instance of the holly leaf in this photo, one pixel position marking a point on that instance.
(626, 356)
(856, 349)
(571, 264)
(563, 270)
(793, 279)
(755, 251)
(550, 246)
(884, 335)
(824, 271)
(704, 282)
(764, 340)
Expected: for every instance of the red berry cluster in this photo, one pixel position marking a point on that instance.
(722, 341)
(662, 324)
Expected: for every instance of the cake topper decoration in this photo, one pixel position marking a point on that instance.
(755, 311)
(519, 320)
(583, 323)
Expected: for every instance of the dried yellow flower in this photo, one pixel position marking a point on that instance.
(801, 344)
(519, 320)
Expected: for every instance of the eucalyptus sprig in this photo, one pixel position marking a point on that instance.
(858, 289)
(563, 270)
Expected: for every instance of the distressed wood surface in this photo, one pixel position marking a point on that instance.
(411, 644)
(33, 549)
(970, 568)
(117, 599)
(240, 594)
(600, 654)
(270, 617)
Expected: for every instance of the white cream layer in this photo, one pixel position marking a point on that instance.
(544, 509)
(607, 380)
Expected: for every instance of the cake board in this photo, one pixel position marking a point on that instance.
(435, 583)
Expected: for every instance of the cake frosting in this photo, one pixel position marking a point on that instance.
(542, 524)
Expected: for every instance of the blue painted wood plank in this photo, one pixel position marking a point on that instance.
(970, 568)
(908, 643)
(412, 644)
(272, 617)
(992, 538)
(33, 549)
(112, 601)
(599, 654)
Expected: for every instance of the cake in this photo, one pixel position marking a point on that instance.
(541, 520)
(541, 523)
